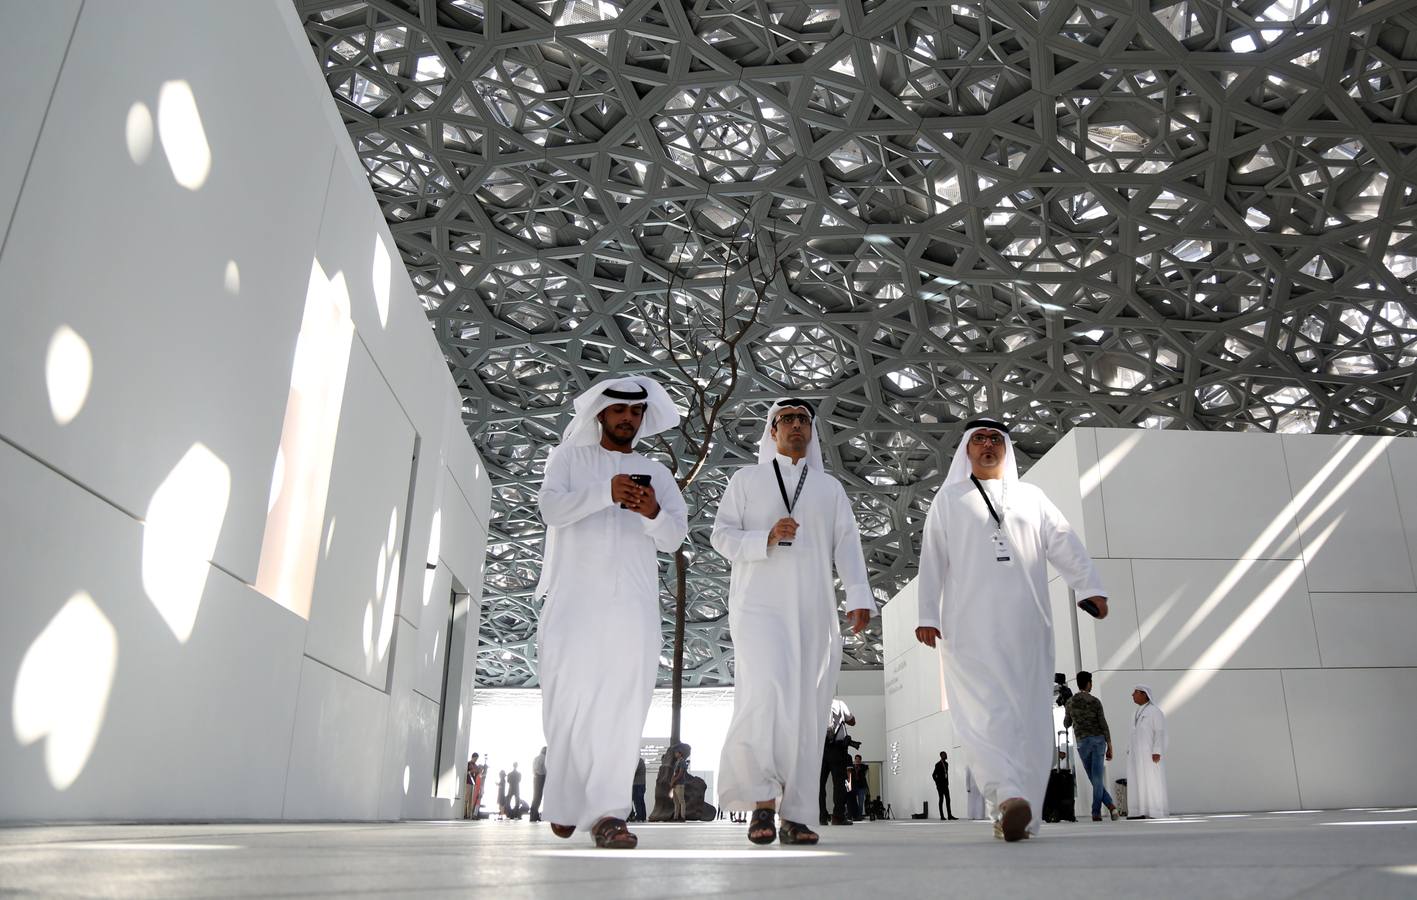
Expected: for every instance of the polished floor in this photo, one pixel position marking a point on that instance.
(1308, 854)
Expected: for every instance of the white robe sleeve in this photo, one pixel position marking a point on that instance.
(934, 563)
(734, 542)
(563, 503)
(671, 526)
(848, 557)
(1064, 549)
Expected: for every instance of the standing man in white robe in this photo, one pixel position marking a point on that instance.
(783, 524)
(1146, 766)
(608, 512)
(983, 592)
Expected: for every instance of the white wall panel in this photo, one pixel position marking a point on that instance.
(1348, 514)
(1402, 462)
(153, 297)
(432, 634)
(354, 605)
(29, 68)
(1224, 613)
(1158, 487)
(1366, 630)
(898, 620)
(176, 713)
(338, 747)
(1114, 642)
(1354, 730)
(1060, 605)
(1229, 746)
(424, 715)
(402, 711)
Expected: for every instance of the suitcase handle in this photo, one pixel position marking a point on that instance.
(1062, 752)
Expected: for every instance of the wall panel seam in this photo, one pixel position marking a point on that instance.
(39, 134)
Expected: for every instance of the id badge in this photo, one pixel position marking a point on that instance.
(1001, 550)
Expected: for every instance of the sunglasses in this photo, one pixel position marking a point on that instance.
(793, 419)
(980, 439)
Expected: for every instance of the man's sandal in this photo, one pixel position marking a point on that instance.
(796, 833)
(611, 834)
(1015, 815)
(762, 827)
(562, 831)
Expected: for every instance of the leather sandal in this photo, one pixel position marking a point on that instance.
(562, 831)
(1015, 815)
(611, 834)
(762, 827)
(796, 833)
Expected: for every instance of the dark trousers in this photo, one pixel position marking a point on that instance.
(637, 801)
(537, 783)
(836, 757)
(944, 792)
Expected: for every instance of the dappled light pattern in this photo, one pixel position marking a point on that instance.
(1188, 214)
(184, 140)
(62, 687)
(180, 531)
(68, 374)
(300, 480)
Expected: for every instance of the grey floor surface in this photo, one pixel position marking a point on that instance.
(1351, 853)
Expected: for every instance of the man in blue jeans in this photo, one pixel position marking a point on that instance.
(1089, 725)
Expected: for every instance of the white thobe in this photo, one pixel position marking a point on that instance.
(1146, 780)
(997, 626)
(599, 635)
(782, 611)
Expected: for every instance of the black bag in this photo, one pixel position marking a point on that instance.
(1060, 799)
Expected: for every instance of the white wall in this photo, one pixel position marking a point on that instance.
(158, 274)
(1263, 585)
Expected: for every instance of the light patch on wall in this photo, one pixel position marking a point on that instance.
(62, 688)
(330, 535)
(406, 773)
(138, 133)
(180, 532)
(385, 585)
(300, 484)
(68, 374)
(231, 278)
(184, 140)
(383, 280)
(435, 550)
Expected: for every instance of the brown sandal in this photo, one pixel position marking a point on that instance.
(1015, 815)
(611, 834)
(796, 833)
(762, 827)
(562, 831)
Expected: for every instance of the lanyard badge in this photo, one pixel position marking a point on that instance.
(1001, 546)
(782, 487)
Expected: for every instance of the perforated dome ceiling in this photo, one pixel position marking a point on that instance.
(1068, 213)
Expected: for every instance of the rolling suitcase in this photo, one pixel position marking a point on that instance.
(1059, 801)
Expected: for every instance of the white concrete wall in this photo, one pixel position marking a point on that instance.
(160, 262)
(1263, 585)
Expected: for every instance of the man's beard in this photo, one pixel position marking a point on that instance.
(614, 435)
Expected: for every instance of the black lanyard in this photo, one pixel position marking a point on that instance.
(987, 502)
(782, 486)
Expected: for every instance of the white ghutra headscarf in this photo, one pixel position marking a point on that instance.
(960, 466)
(767, 445)
(660, 412)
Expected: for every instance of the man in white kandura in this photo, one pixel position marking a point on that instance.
(608, 511)
(783, 524)
(1146, 767)
(983, 593)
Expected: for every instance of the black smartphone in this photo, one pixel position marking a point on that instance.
(641, 480)
(1087, 606)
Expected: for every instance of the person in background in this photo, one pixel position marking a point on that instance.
(514, 788)
(637, 792)
(860, 788)
(941, 777)
(677, 783)
(1147, 797)
(538, 782)
(1094, 741)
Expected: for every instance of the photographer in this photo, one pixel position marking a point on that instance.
(836, 759)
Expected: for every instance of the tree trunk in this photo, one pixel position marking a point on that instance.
(681, 568)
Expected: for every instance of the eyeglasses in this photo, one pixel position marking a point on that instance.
(793, 419)
(980, 439)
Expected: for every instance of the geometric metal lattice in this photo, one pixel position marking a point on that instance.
(1198, 214)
